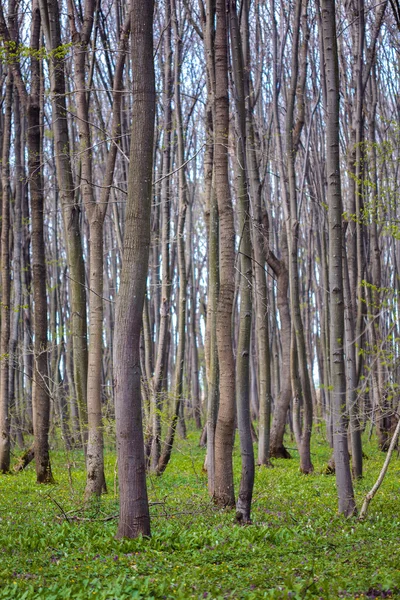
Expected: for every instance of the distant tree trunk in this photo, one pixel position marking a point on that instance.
(342, 463)
(282, 403)
(163, 337)
(375, 301)
(281, 270)
(293, 131)
(194, 383)
(224, 430)
(213, 369)
(14, 391)
(5, 282)
(50, 15)
(177, 411)
(134, 518)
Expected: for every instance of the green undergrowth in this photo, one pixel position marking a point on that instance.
(297, 547)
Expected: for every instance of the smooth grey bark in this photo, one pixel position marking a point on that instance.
(344, 484)
(243, 505)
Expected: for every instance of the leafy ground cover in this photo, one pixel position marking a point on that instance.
(297, 547)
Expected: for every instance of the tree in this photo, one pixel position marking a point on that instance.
(224, 429)
(243, 505)
(134, 516)
(51, 24)
(5, 281)
(31, 102)
(342, 463)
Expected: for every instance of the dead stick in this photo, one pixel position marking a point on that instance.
(375, 488)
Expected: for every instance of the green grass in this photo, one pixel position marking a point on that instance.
(298, 547)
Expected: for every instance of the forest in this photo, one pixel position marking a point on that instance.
(200, 299)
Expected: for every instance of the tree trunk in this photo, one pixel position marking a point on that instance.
(293, 226)
(177, 411)
(95, 480)
(134, 518)
(50, 15)
(41, 391)
(243, 506)
(14, 391)
(5, 282)
(277, 448)
(343, 476)
(224, 430)
(163, 337)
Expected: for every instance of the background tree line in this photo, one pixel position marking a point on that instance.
(199, 221)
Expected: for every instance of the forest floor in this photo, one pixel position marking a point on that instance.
(297, 547)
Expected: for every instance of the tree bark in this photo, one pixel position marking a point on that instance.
(224, 430)
(134, 518)
(5, 282)
(343, 476)
(50, 15)
(41, 391)
(243, 505)
(163, 337)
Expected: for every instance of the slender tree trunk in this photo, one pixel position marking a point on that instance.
(14, 391)
(293, 226)
(277, 448)
(343, 476)
(259, 242)
(5, 282)
(50, 16)
(177, 411)
(95, 480)
(163, 337)
(211, 218)
(224, 430)
(41, 391)
(243, 506)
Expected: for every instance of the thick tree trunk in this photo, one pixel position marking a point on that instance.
(134, 518)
